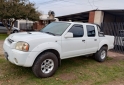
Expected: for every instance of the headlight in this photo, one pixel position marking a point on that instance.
(23, 46)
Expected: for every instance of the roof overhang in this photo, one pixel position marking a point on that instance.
(84, 16)
(119, 12)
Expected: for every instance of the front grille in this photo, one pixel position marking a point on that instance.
(10, 40)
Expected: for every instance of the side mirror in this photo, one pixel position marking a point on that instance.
(69, 35)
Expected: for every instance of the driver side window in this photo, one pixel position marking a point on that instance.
(77, 30)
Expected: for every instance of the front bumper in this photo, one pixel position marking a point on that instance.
(17, 57)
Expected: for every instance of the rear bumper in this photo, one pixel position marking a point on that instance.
(17, 57)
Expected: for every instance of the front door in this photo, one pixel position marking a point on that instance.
(74, 46)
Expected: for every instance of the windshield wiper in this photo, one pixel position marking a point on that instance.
(50, 33)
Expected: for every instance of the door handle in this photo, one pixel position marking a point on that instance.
(95, 39)
(83, 40)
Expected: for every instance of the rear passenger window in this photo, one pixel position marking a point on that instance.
(90, 31)
(77, 30)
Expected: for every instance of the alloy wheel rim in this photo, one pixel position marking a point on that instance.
(47, 66)
(103, 54)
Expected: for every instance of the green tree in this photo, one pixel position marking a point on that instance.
(12, 10)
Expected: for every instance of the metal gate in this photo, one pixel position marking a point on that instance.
(115, 29)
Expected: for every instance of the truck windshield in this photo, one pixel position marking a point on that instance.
(56, 28)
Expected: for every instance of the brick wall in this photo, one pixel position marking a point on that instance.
(91, 17)
(38, 25)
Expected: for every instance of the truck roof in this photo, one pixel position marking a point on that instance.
(76, 22)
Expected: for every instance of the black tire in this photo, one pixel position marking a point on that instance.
(101, 55)
(15, 31)
(41, 67)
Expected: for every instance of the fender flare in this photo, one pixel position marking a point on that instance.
(41, 48)
(102, 43)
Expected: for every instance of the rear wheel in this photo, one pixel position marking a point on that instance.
(15, 31)
(45, 65)
(101, 55)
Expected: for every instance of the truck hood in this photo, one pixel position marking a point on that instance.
(27, 36)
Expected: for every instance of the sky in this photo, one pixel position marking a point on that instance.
(66, 7)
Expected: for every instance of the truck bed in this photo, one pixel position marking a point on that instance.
(108, 39)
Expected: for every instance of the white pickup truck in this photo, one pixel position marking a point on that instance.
(44, 50)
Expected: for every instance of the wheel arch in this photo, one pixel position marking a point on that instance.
(103, 43)
(14, 30)
(53, 51)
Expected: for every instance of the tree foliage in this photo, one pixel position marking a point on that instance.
(12, 10)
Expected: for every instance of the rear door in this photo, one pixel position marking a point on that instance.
(92, 39)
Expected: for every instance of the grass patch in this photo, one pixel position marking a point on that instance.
(74, 71)
(3, 36)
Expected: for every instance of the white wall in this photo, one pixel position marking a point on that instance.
(99, 15)
(23, 21)
(44, 16)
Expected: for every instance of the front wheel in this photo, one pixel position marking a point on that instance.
(101, 55)
(45, 65)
